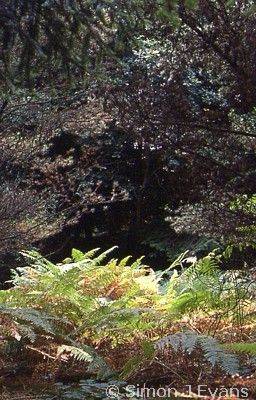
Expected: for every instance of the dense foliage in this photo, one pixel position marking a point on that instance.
(148, 114)
(85, 304)
(129, 123)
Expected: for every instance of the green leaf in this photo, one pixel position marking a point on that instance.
(131, 365)
(191, 4)
(77, 255)
(249, 348)
(148, 349)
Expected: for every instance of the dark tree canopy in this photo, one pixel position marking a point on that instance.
(135, 113)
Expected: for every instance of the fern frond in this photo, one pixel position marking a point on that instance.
(77, 255)
(137, 264)
(212, 349)
(248, 348)
(26, 332)
(216, 355)
(103, 256)
(124, 261)
(82, 353)
(78, 353)
(175, 263)
(91, 253)
(36, 318)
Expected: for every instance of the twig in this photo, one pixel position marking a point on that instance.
(41, 352)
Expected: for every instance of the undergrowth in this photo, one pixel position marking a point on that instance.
(120, 318)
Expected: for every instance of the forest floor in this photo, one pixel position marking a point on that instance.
(43, 380)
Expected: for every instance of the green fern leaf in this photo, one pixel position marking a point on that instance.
(249, 348)
(77, 255)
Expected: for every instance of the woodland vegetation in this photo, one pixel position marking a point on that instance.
(127, 127)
